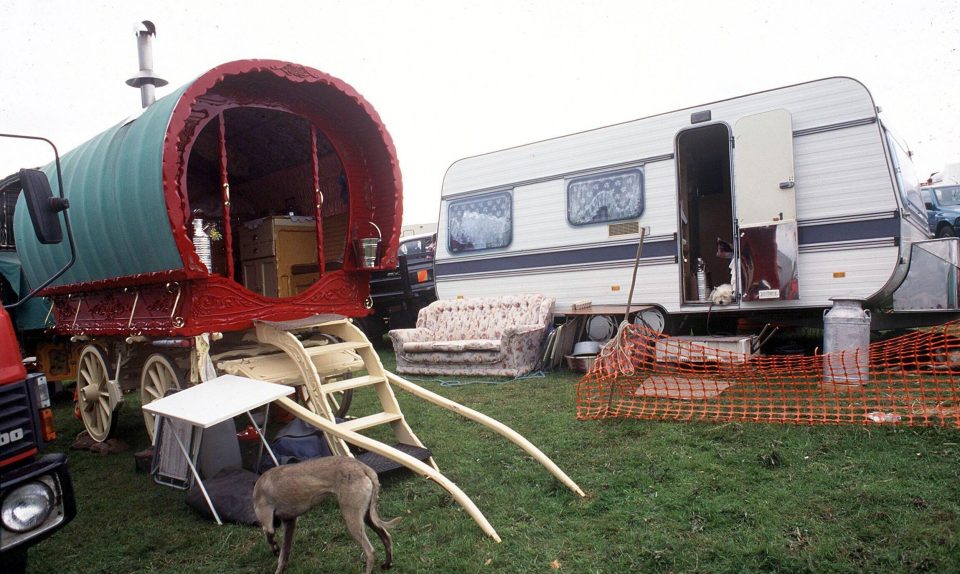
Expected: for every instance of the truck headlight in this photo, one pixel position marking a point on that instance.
(27, 507)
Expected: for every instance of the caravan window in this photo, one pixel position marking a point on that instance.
(610, 196)
(480, 222)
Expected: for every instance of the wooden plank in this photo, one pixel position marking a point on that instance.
(492, 424)
(682, 388)
(601, 310)
(334, 347)
(354, 383)
(370, 421)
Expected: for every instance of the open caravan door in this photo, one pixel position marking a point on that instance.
(766, 207)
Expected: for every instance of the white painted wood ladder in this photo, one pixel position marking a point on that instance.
(347, 350)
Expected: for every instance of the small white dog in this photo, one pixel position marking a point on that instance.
(723, 294)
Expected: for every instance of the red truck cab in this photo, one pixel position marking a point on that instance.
(36, 491)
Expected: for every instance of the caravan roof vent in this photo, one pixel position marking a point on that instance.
(700, 117)
(628, 228)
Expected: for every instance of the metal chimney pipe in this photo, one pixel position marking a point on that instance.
(145, 79)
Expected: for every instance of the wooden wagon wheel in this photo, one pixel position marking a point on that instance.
(340, 406)
(339, 401)
(159, 375)
(344, 407)
(95, 393)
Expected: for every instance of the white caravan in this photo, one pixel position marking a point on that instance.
(786, 198)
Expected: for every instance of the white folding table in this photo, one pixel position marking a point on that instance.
(213, 402)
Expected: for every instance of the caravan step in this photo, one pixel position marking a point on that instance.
(381, 464)
(353, 383)
(370, 421)
(705, 349)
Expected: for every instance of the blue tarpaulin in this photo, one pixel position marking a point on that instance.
(31, 314)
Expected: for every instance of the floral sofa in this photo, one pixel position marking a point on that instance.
(500, 336)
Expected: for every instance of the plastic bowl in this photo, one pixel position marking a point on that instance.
(586, 348)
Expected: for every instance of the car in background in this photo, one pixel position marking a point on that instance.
(399, 294)
(943, 209)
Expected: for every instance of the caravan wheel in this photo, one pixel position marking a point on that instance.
(653, 318)
(160, 374)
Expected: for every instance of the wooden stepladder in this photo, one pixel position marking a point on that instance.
(327, 356)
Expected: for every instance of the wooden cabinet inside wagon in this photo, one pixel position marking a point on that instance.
(182, 212)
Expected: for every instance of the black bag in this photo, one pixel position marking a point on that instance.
(295, 442)
(231, 492)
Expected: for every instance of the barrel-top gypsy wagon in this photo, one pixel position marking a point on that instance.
(232, 228)
(238, 197)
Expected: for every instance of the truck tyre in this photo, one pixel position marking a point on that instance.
(14, 561)
(946, 231)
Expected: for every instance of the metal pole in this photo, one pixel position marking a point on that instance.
(633, 280)
(225, 182)
(196, 475)
(317, 200)
(145, 78)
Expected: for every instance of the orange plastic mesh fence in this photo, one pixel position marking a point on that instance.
(909, 380)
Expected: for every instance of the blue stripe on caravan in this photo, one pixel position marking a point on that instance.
(556, 258)
(850, 231)
(811, 234)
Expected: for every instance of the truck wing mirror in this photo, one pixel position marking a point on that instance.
(44, 211)
(44, 208)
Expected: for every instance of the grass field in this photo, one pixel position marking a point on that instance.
(661, 497)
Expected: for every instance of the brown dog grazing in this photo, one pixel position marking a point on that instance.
(285, 492)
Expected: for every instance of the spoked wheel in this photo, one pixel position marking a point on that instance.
(160, 374)
(653, 318)
(95, 394)
(340, 402)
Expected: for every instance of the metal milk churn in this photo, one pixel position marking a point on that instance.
(846, 343)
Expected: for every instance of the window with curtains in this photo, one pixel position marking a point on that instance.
(611, 196)
(480, 222)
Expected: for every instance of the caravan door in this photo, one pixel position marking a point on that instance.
(766, 207)
(705, 210)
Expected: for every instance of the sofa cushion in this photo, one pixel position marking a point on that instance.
(459, 346)
(449, 358)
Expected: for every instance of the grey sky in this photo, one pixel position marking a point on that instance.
(453, 79)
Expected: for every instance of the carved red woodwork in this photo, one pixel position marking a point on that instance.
(200, 306)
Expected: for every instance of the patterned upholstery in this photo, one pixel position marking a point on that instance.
(484, 336)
